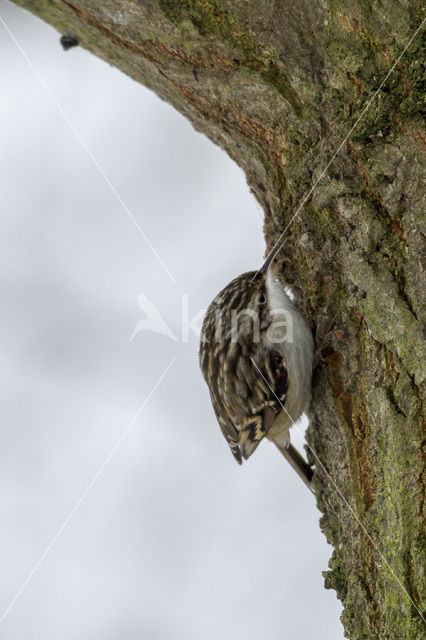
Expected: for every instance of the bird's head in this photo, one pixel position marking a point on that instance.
(241, 308)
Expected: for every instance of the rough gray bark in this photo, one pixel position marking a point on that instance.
(279, 85)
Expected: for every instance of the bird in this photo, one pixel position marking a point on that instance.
(256, 355)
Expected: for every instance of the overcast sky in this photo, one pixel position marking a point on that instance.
(156, 532)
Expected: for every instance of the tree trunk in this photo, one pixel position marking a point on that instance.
(279, 85)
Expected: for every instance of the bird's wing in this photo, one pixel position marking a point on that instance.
(228, 429)
(246, 396)
(268, 388)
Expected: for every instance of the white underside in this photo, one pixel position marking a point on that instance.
(292, 337)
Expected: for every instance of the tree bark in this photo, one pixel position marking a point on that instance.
(279, 85)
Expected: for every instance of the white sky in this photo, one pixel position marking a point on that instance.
(173, 540)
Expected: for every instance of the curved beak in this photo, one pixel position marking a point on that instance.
(275, 250)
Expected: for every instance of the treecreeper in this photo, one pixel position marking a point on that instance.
(256, 355)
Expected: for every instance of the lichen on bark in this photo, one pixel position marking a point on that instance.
(279, 85)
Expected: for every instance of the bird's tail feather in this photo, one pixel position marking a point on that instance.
(298, 463)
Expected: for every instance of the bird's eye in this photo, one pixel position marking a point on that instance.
(261, 299)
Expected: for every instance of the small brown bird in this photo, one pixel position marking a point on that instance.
(256, 356)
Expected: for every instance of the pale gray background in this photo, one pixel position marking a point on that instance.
(174, 540)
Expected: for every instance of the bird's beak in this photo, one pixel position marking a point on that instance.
(276, 249)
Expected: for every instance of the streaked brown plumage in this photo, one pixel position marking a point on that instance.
(259, 380)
